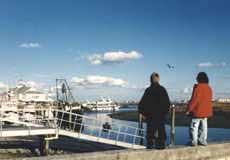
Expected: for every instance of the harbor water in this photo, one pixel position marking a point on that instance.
(182, 133)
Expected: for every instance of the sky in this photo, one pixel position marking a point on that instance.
(110, 48)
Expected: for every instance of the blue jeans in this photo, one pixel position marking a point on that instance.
(199, 131)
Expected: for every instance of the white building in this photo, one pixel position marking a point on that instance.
(223, 100)
(26, 98)
(25, 94)
(34, 96)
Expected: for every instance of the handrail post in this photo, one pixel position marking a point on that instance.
(118, 134)
(62, 119)
(141, 129)
(135, 136)
(172, 134)
(74, 124)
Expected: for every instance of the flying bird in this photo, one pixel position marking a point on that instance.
(171, 67)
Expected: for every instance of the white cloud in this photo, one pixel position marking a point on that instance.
(113, 57)
(32, 84)
(181, 91)
(96, 80)
(210, 64)
(40, 75)
(205, 64)
(30, 45)
(3, 85)
(187, 90)
(226, 77)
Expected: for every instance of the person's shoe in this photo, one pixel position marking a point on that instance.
(161, 147)
(202, 144)
(191, 144)
(150, 147)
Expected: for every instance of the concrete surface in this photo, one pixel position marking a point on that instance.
(211, 152)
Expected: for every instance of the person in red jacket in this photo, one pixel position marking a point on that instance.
(200, 108)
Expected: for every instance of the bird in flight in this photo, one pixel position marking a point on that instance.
(170, 66)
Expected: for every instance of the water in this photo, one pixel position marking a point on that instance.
(182, 136)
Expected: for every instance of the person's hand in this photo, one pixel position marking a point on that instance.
(142, 116)
(187, 113)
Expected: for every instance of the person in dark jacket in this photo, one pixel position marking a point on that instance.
(154, 106)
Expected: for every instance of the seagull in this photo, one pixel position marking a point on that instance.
(170, 66)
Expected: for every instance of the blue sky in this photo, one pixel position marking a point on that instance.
(45, 39)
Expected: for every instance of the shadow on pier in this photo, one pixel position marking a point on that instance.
(29, 147)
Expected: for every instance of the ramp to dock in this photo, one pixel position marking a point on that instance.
(76, 126)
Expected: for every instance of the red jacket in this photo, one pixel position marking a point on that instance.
(201, 103)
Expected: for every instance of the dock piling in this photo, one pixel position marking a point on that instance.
(44, 146)
(173, 132)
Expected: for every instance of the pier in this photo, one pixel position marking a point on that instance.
(211, 152)
(83, 127)
(60, 120)
(49, 127)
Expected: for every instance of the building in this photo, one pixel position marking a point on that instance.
(223, 100)
(25, 98)
(23, 94)
(34, 96)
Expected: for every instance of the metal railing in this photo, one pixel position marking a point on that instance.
(77, 124)
(94, 127)
(26, 119)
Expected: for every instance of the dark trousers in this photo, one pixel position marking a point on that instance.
(156, 132)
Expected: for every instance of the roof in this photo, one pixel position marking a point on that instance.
(34, 92)
(20, 90)
(24, 90)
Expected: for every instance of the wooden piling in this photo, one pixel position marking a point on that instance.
(44, 146)
(173, 132)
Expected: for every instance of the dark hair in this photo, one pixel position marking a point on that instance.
(153, 76)
(202, 77)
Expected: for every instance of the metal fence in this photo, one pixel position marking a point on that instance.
(98, 128)
(70, 122)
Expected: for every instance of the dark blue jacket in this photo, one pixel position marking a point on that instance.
(155, 102)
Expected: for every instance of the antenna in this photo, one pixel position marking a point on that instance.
(64, 95)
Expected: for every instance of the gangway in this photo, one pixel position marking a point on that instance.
(80, 127)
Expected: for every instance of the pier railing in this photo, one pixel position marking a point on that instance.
(94, 127)
(74, 125)
(13, 118)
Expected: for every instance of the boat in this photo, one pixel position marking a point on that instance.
(28, 114)
(10, 114)
(11, 117)
(101, 105)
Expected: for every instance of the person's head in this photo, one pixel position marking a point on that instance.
(202, 77)
(155, 78)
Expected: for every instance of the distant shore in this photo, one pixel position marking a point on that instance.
(220, 119)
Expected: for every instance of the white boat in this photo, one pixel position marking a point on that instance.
(28, 114)
(10, 117)
(28, 117)
(101, 105)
